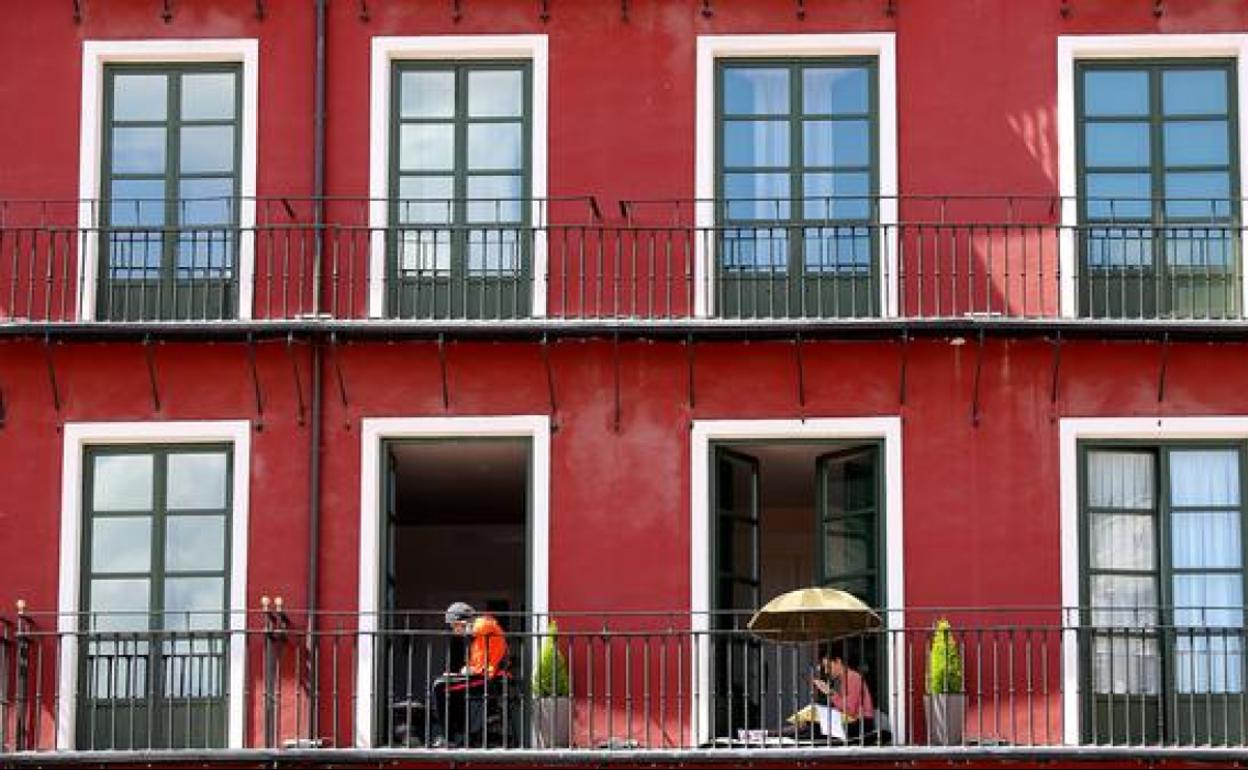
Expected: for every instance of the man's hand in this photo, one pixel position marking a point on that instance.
(821, 685)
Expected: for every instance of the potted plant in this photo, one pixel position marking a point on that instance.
(945, 702)
(552, 704)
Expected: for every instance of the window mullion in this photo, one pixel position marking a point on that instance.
(1158, 166)
(173, 144)
(459, 236)
(797, 212)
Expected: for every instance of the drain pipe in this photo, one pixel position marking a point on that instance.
(318, 209)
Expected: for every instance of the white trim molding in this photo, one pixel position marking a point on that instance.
(386, 51)
(1074, 48)
(98, 53)
(882, 46)
(1074, 430)
(704, 435)
(373, 434)
(78, 436)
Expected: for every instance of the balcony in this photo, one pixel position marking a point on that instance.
(917, 261)
(645, 686)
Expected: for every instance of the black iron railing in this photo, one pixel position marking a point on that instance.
(562, 260)
(1026, 678)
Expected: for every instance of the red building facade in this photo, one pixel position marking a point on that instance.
(570, 311)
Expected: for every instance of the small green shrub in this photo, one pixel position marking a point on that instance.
(944, 661)
(552, 667)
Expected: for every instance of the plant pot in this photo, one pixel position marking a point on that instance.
(552, 723)
(946, 713)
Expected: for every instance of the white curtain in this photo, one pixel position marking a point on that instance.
(1209, 657)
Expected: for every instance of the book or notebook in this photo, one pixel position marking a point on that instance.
(832, 722)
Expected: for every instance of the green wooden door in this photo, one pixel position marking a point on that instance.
(850, 546)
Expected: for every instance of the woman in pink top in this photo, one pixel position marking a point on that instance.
(841, 687)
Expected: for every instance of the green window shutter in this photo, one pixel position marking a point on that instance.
(1158, 184)
(1162, 560)
(797, 184)
(169, 195)
(460, 210)
(155, 596)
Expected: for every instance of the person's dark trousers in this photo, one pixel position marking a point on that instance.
(451, 707)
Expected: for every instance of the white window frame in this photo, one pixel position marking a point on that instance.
(386, 51)
(78, 437)
(1075, 430)
(96, 54)
(373, 435)
(704, 435)
(882, 46)
(1072, 49)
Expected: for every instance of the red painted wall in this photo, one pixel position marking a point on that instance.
(976, 104)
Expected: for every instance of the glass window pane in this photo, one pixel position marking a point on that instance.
(207, 149)
(1209, 600)
(1123, 601)
(120, 604)
(494, 199)
(197, 481)
(1206, 539)
(1120, 479)
(756, 143)
(208, 96)
(837, 249)
(122, 483)
(427, 147)
(137, 203)
(1199, 247)
(1194, 92)
(194, 603)
(1202, 195)
(1116, 144)
(495, 146)
(837, 196)
(140, 96)
(495, 94)
(1119, 247)
(135, 254)
(836, 90)
(121, 544)
(1126, 664)
(1204, 477)
(425, 251)
(427, 94)
(1121, 541)
(1114, 93)
(1116, 197)
(752, 91)
(204, 253)
(837, 143)
(1209, 660)
(1197, 143)
(849, 545)
(435, 192)
(138, 150)
(204, 202)
(762, 249)
(195, 543)
(493, 251)
(756, 196)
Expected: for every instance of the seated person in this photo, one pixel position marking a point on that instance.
(838, 685)
(486, 653)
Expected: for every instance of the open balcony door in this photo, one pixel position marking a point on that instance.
(850, 550)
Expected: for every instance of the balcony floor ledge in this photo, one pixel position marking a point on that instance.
(635, 328)
(915, 756)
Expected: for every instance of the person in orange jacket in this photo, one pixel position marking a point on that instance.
(487, 654)
(488, 649)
